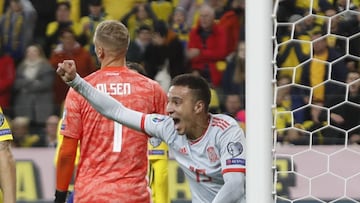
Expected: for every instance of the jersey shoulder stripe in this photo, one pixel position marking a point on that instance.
(219, 122)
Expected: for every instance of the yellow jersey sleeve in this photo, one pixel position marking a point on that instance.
(5, 131)
(157, 149)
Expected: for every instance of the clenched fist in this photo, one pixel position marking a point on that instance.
(67, 70)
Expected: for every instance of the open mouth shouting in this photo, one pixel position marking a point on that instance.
(176, 123)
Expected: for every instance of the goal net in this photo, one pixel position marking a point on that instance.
(316, 103)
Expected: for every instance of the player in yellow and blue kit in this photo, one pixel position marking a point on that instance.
(158, 170)
(7, 163)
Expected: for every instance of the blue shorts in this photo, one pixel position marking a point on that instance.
(71, 197)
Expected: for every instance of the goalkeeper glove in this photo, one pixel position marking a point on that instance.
(60, 196)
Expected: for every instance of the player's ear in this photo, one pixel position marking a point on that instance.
(199, 106)
(99, 52)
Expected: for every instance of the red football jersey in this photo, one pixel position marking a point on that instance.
(113, 158)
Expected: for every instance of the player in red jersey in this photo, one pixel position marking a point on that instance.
(113, 158)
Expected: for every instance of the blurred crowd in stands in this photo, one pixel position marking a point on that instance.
(318, 72)
(317, 90)
(168, 38)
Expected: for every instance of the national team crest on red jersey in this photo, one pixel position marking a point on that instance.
(213, 157)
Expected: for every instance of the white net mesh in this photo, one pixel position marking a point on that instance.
(317, 101)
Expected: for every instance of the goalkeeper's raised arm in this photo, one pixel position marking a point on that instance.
(108, 107)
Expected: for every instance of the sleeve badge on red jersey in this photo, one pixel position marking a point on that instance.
(235, 148)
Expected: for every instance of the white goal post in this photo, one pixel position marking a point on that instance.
(325, 165)
(258, 101)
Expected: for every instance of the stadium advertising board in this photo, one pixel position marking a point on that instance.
(298, 168)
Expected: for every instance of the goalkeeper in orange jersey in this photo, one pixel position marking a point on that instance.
(7, 163)
(113, 160)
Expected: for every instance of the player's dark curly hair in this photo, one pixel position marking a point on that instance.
(199, 86)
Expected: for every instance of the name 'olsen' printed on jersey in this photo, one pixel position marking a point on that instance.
(115, 88)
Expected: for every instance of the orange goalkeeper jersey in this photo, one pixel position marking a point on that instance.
(113, 158)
